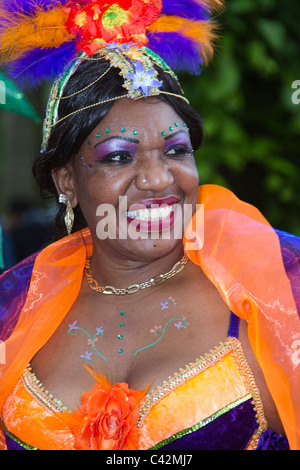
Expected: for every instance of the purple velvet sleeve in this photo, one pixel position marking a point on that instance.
(14, 285)
(290, 249)
(270, 440)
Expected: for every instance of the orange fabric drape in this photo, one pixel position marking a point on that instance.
(55, 284)
(242, 258)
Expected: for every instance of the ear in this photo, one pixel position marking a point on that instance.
(64, 180)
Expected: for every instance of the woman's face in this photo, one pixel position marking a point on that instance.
(135, 177)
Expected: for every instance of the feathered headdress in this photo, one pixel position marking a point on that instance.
(39, 37)
(48, 39)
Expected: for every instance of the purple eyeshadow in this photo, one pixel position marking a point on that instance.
(103, 149)
(178, 139)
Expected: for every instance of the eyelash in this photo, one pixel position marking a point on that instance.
(110, 158)
(177, 151)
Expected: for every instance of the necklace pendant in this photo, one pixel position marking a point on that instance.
(108, 290)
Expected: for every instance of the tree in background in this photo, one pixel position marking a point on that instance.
(252, 126)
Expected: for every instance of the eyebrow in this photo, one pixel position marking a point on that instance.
(127, 139)
(136, 141)
(175, 133)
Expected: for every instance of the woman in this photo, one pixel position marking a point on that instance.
(167, 363)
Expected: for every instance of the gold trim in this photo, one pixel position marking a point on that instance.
(250, 382)
(191, 370)
(203, 423)
(179, 378)
(16, 439)
(36, 389)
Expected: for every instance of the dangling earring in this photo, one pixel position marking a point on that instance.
(69, 215)
(69, 218)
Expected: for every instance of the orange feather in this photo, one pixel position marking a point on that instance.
(100, 378)
(202, 32)
(22, 33)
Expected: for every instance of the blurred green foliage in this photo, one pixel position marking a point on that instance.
(251, 125)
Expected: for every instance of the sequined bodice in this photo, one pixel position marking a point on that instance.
(212, 403)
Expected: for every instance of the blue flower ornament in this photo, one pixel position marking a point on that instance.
(143, 79)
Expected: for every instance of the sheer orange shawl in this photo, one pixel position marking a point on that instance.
(241, 256)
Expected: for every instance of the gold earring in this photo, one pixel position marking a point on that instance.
(69, 218)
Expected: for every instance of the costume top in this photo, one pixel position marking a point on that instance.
(256, 271)
(211, 404)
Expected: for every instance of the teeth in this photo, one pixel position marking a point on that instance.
(150, 214)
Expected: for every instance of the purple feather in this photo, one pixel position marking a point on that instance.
(186, 9)
(29, 6)
(180, 53)
(40, 65)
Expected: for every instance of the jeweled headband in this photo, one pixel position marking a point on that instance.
(136, 69)
(48, 39)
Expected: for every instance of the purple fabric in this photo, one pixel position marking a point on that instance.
(230, 431)
(270, 440)
(12, 444)
(290, 249)
(14, 286)
(233, 329)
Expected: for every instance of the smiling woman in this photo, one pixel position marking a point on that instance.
(144, 339)
(82, 88)
(110, 169)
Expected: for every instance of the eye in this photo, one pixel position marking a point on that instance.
(179, 150)
(117, 158)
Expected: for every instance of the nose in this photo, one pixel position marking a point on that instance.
(154, 174)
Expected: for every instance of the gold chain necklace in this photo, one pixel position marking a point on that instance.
(134, 287)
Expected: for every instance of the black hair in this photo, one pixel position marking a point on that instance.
(69, 134)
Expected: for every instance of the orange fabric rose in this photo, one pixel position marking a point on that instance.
(106, 419)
